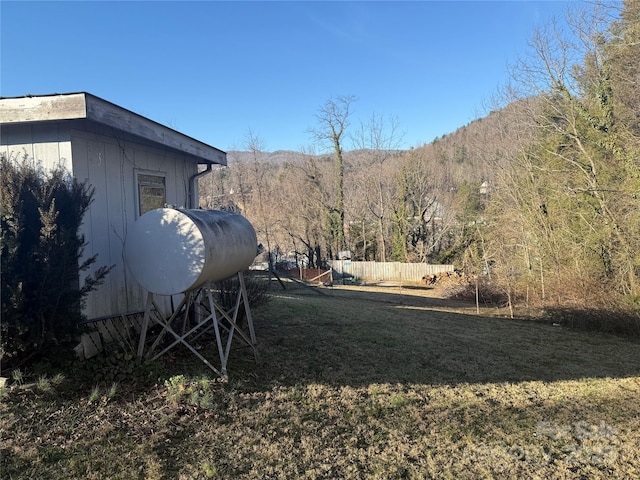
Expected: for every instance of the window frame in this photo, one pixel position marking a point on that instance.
(141, 182)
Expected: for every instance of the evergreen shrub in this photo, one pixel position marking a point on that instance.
(41, 251)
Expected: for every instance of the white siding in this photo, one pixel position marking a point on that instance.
(109, 164)
(49, 144)
(118, 217)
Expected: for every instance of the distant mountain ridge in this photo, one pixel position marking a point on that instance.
(486, 131)
(279, 156)
(500, 132)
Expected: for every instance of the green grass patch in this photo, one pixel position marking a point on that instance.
(354, 384)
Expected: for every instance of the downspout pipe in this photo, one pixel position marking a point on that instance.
(193, 200)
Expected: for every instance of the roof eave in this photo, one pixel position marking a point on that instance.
(84, 105)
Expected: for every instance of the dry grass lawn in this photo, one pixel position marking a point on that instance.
(353, 383)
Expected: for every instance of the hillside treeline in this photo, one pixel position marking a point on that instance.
(540, 198)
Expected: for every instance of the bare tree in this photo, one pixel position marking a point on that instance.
(565, 210)
(254, 144)
(303, 206)
(332, 123)
(381, 139)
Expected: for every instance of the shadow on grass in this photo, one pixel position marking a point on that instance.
(359, 338)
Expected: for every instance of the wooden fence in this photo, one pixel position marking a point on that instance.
(346, 270)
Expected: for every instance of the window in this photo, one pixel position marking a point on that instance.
(151, 192)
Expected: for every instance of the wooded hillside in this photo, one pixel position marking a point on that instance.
(540, 197)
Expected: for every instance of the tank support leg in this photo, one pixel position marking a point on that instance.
(202, 301)
(252, 333)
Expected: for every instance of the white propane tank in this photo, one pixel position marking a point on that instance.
(171, 251)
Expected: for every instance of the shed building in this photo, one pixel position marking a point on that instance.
(133, 163)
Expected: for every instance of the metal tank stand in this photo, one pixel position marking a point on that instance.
(195, 315)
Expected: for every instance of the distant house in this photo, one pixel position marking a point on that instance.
(134, 164)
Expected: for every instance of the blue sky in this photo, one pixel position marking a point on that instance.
(217, 70)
